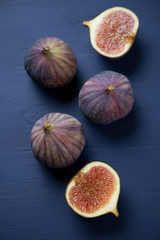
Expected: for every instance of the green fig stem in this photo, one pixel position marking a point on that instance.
(46, 49)
(47, 125)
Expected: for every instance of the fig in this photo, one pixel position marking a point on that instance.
(113, 32)
(57, 140)
(106, 97)
(94, 190)
(50, 62)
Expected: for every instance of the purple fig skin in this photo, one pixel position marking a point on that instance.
(57, 140)
(50, 62)
(106, 97)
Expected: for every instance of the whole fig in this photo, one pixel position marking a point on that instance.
(57, 140)
(106, 97)
(50, 62)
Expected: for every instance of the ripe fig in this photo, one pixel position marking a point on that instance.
(113, 32)
(50, 62)
(94, 190)
(106, 97)
(57, 140)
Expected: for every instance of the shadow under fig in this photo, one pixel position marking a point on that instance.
(107, 224)
(119, 129)
(128, 63)
(65, 174)
(64, 93)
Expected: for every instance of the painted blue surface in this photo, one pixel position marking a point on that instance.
(32, 202)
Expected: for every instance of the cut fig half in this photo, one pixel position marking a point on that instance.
(113, 32)
(94, 190)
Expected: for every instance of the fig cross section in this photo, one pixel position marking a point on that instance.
(94, 190)
(113, 32)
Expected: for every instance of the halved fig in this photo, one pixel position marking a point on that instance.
(50, 62)
(57, 140)
(106, 97)
(94, 190)
(113, 32)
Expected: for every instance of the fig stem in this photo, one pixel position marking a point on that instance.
(115, 212)
(47, 125)
(110, 88)
(46, 49)
(86, 23)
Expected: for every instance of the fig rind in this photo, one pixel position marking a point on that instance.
(106, 97)
(91, 188)
(50, 62)
(57, 140)
(95, 28)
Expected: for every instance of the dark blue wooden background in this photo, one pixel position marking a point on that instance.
(32, 202)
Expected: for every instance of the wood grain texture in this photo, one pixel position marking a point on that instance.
(32, 202)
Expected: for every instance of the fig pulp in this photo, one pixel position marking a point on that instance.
(50, 62)
(57, 140)
(113, 32)
(94, 190)
(106, 97)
